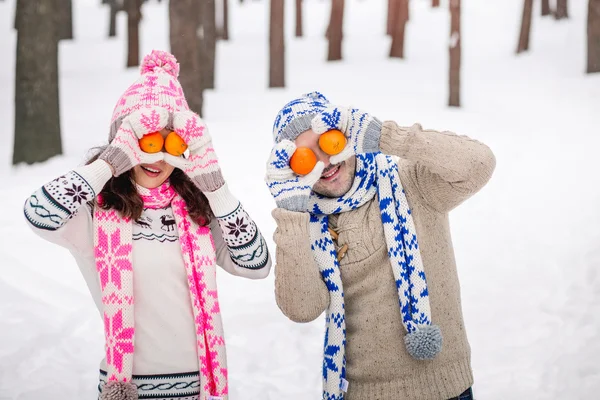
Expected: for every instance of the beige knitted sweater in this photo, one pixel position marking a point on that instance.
(438, 171)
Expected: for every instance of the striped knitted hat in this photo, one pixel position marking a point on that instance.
(296, 116)
(156, 87)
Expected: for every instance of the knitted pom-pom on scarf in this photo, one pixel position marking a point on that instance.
(115, 390)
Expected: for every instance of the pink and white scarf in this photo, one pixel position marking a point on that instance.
(113, 252)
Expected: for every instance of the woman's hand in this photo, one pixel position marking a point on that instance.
(202, 165)
(124, 152)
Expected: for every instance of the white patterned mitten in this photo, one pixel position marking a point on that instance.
(361, 129)
(289, 190)
(124, 152)
(202, 165)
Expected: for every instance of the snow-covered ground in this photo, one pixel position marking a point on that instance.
(527, 246)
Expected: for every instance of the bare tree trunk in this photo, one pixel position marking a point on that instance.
(454, 47)
(18, 17)
(184, 19)
(435, 3)
(298, 18)
(198, 12)
(115, 7)
(562, 10)
(335, 36)
(391, 13)
(523, 44)
(209, 42)
(546, 10)
(593, 37)
(65, 19)
(37, 117)
(397, 48)
(277, 45)
(134, 16)
(225, 33)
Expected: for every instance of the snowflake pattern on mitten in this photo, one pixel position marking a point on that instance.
(202, 165)
(362, 130)
(289, 190)
(314, 111)
(124, 152)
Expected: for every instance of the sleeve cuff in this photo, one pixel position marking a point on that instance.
(222, 202)
(95, 174)
(292, 222)
(395, 139)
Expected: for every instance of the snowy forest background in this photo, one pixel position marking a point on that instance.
(519, 75)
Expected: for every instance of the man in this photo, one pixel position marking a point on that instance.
(365, 237)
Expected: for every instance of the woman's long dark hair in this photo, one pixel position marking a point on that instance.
(120, 194)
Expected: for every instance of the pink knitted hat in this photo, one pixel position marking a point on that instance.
(157, 87)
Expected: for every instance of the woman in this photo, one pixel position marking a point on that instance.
(147, 230)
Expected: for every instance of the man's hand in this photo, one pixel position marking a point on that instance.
(289, 190)
(362, 130)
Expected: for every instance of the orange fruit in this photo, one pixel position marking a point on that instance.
(175, 145)
(152, 142)
(303, 161)
(332, 142)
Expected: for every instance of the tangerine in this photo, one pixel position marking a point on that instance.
(151, 142)
(332, 142)
(175, 145)
(303, 161)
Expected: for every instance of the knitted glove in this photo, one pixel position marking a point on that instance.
(202, 165)
(362, 130)
(289, 190)
(124, 152)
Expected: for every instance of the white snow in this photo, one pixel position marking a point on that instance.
(527, 246)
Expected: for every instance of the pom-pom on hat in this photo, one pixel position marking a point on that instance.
(156, 87)
(160, 60)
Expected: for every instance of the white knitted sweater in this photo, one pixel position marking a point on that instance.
(165, 331)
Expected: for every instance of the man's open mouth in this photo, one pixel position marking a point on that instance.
(331, 173)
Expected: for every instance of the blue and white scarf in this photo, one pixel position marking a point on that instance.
(376, 174)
